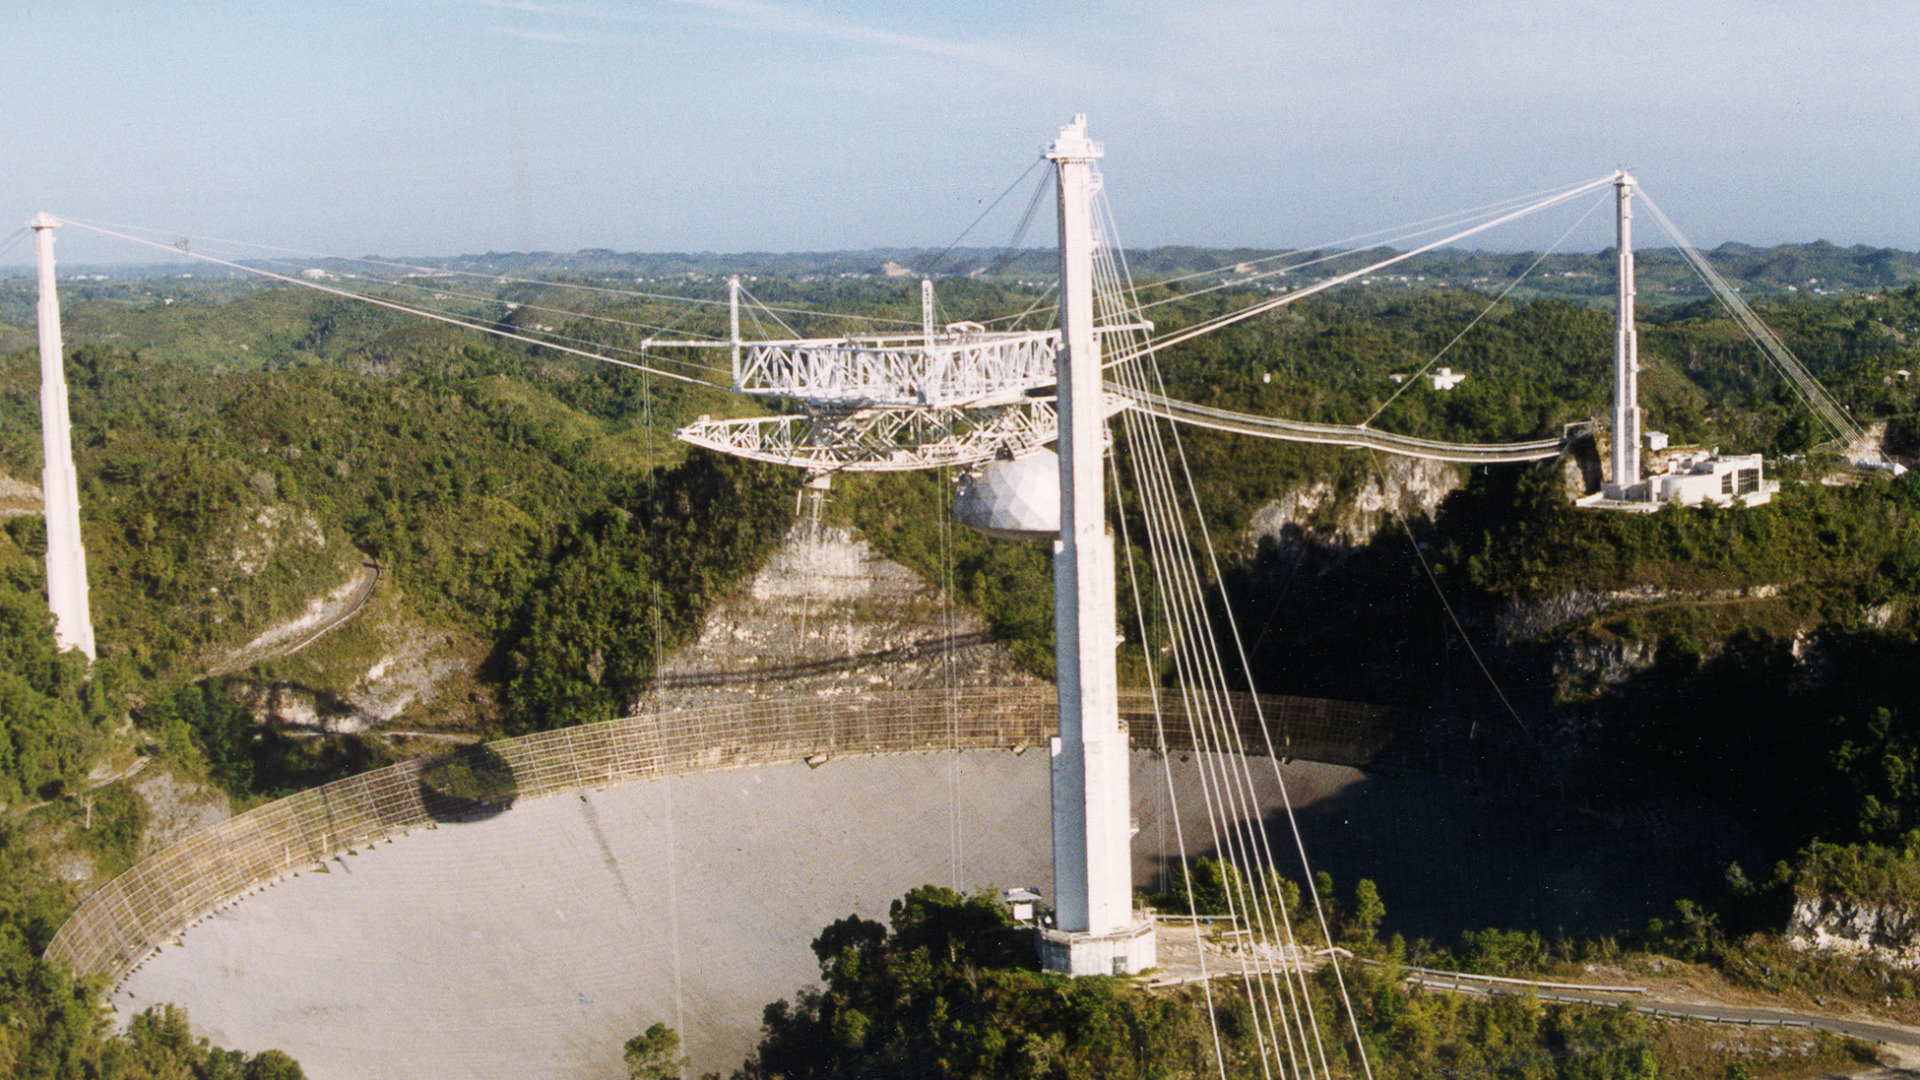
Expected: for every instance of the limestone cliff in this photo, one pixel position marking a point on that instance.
(827, 616)
(1318, 517)
(1889, 933)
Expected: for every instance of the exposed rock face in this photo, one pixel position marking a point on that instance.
(374, 661)
(176, 809)
(1596, 665)
(1885, 932)
(273, 527)
(18, 497)
(827, 616)
(1315, 517)
(1537, 618)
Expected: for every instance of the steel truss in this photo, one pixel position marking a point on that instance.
(966, 366)
(881, 439)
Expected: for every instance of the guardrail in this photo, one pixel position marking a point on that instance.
(1435, 976)
(120, 924)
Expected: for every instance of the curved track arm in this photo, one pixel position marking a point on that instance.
(1267, 427)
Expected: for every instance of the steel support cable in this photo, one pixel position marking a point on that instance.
(1223, 810)
(1328, 256)
(1319, 256)
(791, 332)
(1303, 292)
(1214, 791)
(523, 306)
(413, 268)
(1231, 818)
(1266, 732)
(1211, 789)
(1035, 308)
(1318, 260)
(1376, 238)
(549, 337)
(1210, 757)
(934, 266)
(1458, 626)
(1484, 312)
(394, 306)
(1166, 768)
(1026, 221)
(1811, 393)
(490, 300)
(1203, 685)
(956, 837)
(1311, 887)
(1222, 747)
(1204, 688)
(1220, 750)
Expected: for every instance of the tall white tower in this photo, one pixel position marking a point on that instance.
(1095, 933)
(1626, 354)
(66, 558)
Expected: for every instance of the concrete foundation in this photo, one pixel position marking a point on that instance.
(1126, 951)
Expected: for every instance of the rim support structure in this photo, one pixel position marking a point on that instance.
(1095, 933)
(1625, 462)
(66, 557)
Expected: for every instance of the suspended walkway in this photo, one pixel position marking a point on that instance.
(1357, 435)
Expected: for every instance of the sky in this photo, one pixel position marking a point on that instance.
(440, 127)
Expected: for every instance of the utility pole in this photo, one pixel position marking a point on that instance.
(66, 558)
(1095, 932)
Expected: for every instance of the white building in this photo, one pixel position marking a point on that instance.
(1704, 476)
(1447, 378)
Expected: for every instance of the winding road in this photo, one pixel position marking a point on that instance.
(1714, 1012)
(282, 641)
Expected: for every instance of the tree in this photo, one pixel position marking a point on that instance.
(1368, 910)
(654, 1054)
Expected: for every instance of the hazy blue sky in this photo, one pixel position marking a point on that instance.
(447, 126)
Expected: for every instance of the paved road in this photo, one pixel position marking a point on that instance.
(346, 609)
(1711, 1012)
(363, 592)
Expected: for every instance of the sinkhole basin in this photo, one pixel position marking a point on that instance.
(524, 910)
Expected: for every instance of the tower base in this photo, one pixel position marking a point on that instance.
(1126, 951)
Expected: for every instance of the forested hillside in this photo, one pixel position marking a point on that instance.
(244, 450)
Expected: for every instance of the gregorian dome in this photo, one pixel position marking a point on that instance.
(1018, 499)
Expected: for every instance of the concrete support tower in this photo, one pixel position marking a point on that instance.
(733, 324)
(1626, 356)
(1095, 932)
(66, 558)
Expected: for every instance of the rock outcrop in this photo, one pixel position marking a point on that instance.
(1889, 933)
(826, 616)
(1316, 517)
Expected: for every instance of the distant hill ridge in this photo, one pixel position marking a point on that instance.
(1816, 268)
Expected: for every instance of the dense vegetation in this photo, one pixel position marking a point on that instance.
(515, 501)
(51, 1023)
(56, 718)
(948, 989)
(245, 449)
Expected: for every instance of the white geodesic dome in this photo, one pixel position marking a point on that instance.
(1017, 499)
